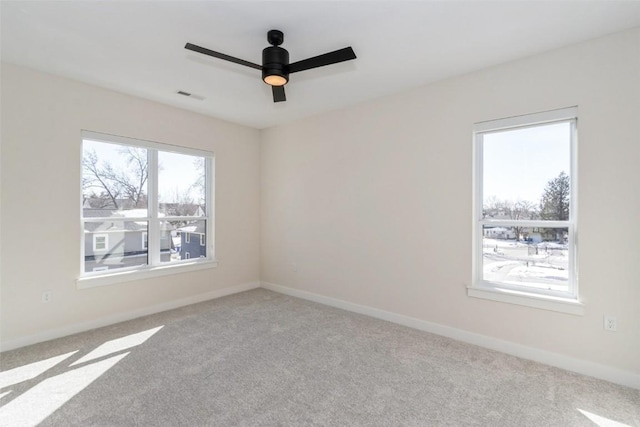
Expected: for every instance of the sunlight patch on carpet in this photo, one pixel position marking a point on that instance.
(40, 401)
(118, 344)
(30, 371)
(602, 421)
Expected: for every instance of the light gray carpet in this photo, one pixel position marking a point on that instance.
(263, 359)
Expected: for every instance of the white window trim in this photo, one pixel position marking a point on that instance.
(545, 302)
(145, 240)
(155, 268)
(106, 242)
(187, 255)
(566, 302)
(202, 240)
(122, 275)
(187, 237)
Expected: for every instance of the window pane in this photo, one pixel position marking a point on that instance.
(539, 260)
(114, 244)
(181, 184)
(526, 173)
(183, 240)
(114, 180)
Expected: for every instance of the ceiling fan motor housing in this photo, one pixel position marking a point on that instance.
(275, 62)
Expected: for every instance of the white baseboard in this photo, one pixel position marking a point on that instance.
(607, 373)
(121, 317)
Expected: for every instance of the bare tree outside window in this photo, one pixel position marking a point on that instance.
(495, 208)
(115, 179)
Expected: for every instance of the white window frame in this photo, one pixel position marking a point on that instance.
(95, 242)
(187, 237)
(145, 240)
(154, 268)
(187, 255)
(202, 240)
(567, 302)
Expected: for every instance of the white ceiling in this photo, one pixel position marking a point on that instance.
(138, 47)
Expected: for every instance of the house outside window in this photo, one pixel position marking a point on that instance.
(136, 195)
(525, 210)
(193, 241)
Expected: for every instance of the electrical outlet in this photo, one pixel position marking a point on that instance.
(46, 296)
(610, 323)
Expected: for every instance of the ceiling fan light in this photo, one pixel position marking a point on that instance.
(275, 80)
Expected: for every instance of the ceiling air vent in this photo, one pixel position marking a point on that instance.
(183, 93)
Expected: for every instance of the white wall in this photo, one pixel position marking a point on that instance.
(42, 116)
(373, 203)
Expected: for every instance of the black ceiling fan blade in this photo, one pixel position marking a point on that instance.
(219, 55)
(334, 57)
(278, 93)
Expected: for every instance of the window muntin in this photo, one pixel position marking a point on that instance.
(525, 204)
(128, 197)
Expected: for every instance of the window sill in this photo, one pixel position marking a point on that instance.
(127, 276)
(563, 305)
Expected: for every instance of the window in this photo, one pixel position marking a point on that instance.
(136, 197)
(100, 242)
(187, 237)
(525, 210)
(187, 255)
(202, 240)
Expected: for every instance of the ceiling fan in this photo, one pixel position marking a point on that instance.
(275, 62)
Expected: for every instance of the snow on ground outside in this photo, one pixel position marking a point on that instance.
(508, 261)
